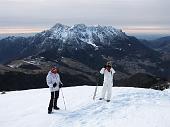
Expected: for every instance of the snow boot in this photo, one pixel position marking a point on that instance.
(56, 108)
(100, 98)
(49, 112)
(108, 100)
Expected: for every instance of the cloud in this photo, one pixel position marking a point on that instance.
(25, 1)
(20, 30)
(105, 12)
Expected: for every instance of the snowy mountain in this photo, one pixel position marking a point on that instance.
(80, 37)
(83, 34)
(129, 107)
(73, 39)
(92, 44)
(80, 51)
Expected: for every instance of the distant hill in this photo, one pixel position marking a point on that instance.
(161, 44)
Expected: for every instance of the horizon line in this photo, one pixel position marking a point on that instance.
(129, 29)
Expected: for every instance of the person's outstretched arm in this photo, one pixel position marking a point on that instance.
(102, 71)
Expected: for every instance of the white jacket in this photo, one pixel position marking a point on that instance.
(108, 76)
(51, 79)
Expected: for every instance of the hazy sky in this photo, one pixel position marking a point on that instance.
(131, 15)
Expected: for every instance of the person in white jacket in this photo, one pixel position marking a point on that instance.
(54, 83)
(108, 72)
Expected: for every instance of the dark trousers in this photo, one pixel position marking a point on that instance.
(53, 100)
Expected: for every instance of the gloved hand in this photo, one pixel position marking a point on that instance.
(105, 66)
(60, 85)
(51, 89)
(55, 84)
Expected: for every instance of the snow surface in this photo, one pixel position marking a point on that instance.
(94, 45)
(129, 107)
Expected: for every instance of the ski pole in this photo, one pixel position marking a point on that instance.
(95, 92)
(63, 99)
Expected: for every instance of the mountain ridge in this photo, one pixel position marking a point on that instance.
(88, 47)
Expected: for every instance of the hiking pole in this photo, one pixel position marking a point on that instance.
(63, 99)
(95, 91)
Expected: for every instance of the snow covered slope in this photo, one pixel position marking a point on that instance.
(129, 107)
(79, 36)
(85, 33)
